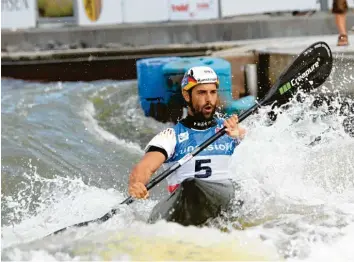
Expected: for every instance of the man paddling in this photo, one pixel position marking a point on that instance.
(318, 51)
(200, 91)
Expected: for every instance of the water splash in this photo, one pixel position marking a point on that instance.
(297, 176)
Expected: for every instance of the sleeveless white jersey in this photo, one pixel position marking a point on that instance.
(211, 163)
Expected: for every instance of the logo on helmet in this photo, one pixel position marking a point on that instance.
(199, 75)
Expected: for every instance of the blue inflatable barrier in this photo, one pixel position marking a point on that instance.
(240, 105)
(151, 87)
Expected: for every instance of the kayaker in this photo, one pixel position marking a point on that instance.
(200, 90)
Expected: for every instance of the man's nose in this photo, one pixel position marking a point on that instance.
(208, 97)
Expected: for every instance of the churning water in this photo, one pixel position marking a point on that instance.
(67, 149)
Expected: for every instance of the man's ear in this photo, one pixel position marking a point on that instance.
(186, 96)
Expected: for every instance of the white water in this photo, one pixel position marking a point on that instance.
(298, 202)
(308, 190)
(92, 126)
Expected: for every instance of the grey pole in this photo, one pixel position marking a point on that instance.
(324, 5)
(220, 13)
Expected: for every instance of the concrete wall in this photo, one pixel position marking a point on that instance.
(238, 62)
(253, 27)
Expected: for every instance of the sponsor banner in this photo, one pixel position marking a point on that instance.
(140, 11)
(99, 12)
(193, 9)
(17, 14)
(237, 7)
(55, 8)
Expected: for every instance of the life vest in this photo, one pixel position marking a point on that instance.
(210, 164)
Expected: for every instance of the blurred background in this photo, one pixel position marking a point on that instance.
(72, 40)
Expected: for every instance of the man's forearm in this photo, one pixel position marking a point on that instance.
(140, 174)
(143, 170)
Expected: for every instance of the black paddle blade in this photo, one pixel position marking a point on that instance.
(308, 71)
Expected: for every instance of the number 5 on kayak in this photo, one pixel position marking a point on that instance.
(198, 148)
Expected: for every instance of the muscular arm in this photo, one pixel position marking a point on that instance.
(160, 148)
(147, 166)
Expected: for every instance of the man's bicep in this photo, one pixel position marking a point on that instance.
(164, 143)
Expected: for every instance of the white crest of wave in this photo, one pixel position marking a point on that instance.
(100, 133)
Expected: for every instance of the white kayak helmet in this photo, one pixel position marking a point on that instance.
(199, 75)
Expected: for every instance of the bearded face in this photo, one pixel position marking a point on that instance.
(202, 101)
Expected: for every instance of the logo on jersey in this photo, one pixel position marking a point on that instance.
(213, 148)
(217, 129)
(183, 137)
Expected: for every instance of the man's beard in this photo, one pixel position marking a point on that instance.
(198, 112)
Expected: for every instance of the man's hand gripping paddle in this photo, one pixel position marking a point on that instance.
(307, 72)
